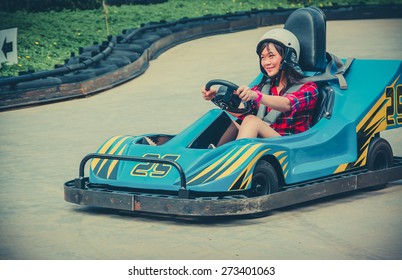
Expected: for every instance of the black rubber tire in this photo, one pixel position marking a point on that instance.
(162, 32)
(141, 42)
(39, 83)
(265, 180)
(132, 56)
(118, 61)
(129, 47)
(102, 70)
(150, 38)
(178, 27)
(380, 156)
(77, 77)
(85, 55)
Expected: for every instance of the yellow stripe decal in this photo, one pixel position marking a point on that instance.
(104, 148)
(226, 163)
(257, 157)
(374, 121)
(239, 161)
(104, 161)
(379, 118)
(341, 168)
(282, 159)
(114, 162)
(284, 166)
(370, 113)
(210, 168)
(248, 175)
(246, 181)
(277, 154)
(229, 161)
(116, 147)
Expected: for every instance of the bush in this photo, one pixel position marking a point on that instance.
(48, 5)
(133, 2)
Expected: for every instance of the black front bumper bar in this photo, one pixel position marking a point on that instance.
(81, 181)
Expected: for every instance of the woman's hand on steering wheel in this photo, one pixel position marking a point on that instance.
(246, 94)
(225, 97)
(208, 94)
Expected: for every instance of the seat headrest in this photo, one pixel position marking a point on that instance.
(309, 26)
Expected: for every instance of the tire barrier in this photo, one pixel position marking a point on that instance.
(124, 57)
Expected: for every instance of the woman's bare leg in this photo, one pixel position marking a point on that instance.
(253, 127)
(230, 134)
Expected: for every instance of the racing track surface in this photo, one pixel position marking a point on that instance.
(41, 147)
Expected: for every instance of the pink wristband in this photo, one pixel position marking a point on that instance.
(258, 99)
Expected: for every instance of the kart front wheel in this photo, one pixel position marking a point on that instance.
(265, 180)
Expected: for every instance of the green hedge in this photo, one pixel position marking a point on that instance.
(48, 5)
(133, 2)
(60, 5)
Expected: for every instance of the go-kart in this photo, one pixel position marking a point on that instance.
(182, 175)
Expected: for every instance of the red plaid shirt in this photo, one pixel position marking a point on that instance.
(299, 118)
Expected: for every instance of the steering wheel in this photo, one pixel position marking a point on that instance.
(226, 99)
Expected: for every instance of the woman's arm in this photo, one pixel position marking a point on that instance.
(278, 103)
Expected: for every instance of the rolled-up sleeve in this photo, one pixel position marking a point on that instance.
(303, 99)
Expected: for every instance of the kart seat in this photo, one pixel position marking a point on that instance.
(309, 26)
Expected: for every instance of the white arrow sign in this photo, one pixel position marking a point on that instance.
(8, 46)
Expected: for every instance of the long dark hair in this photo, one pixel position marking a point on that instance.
(291, 75)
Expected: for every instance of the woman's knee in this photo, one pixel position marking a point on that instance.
(252, 126)
(251, 119)
(249, 127)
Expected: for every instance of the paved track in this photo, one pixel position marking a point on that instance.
(40, 149)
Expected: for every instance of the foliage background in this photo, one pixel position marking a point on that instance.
(47, 38)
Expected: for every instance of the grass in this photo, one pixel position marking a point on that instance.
(46, 39)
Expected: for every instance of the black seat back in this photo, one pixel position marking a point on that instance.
(309, 26)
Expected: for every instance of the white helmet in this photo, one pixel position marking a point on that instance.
(289, 42)
(282, 36)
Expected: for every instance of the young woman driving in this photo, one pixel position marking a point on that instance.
(281, 89)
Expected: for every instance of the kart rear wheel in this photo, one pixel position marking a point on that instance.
(379, 157)
(265, 180)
